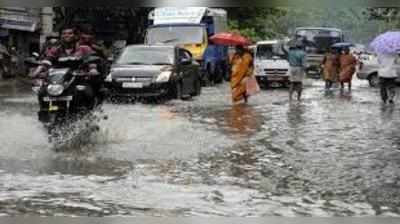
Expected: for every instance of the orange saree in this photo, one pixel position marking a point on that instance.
(242, 67)
(347, 67)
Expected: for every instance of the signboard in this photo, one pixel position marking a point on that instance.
(170, 15)
(11, 18)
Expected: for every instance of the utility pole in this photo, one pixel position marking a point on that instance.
(47, 16)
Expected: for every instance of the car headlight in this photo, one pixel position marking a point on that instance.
(108, 78)
(258, 70)
(55, 90)
(164, 76)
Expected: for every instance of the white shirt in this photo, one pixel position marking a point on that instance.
(387, 67)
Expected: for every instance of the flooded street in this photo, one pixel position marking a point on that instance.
(332, 154)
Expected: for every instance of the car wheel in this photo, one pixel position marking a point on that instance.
(178, 90)
(197, 88)
(373, 80)
(210, 76)
(218, 74)
(286, 85)
(263, 84)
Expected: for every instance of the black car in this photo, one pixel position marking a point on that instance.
(153, 71)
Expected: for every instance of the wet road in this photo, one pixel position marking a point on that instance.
(331, 155)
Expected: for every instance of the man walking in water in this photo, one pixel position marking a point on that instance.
(297, 61)
(387, 76)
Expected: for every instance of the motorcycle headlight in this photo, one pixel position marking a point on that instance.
(55, 90)
(108, 78)
(164, 76)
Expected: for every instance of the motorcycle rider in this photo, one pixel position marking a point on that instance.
(87, 38)
(68, 46)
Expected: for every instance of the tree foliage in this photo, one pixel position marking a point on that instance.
(113, 23)
(255, 22)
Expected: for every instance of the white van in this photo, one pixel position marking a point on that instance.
(271, 65)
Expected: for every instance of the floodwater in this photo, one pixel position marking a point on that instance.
(333, 154)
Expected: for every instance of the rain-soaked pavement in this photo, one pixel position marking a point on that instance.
(331, 155)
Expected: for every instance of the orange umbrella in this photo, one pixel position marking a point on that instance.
(226, 38)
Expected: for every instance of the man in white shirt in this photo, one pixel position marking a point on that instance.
(387, 75)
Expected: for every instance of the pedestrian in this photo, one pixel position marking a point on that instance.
(347, 68)
(387, 76)
(242, 68)
(330, 66)
(297, 62)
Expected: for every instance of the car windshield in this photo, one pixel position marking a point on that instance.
(319, 40)
(268, 51)
(147, 56)
(175, 34)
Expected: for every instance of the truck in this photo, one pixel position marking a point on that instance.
(317, 41)
(190, 28)
(271, 65)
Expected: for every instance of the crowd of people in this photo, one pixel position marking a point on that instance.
(338, 67)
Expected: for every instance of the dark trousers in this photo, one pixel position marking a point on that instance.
(328, 84)
(388, 88)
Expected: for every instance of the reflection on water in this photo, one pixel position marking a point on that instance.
(345, 95)
(295, 115)
(387, 112)
(242, 120)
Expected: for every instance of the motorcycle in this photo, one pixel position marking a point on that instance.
(69, 89)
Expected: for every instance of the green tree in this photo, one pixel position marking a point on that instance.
(112, 23)
(256, 23)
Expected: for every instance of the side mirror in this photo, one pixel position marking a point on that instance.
(185, 61)
(35, 54)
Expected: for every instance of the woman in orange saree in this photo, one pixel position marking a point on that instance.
(347, 68)
(242, 67)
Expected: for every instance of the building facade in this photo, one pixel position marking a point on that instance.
(25, 28)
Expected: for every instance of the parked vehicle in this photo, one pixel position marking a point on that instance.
(68, 89)
(190, 28)
(31, 63)
(271, 66)
(5, 63)
(317, 41)
(144, 71)
(368, 69)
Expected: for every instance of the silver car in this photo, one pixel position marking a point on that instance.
(368, 69)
